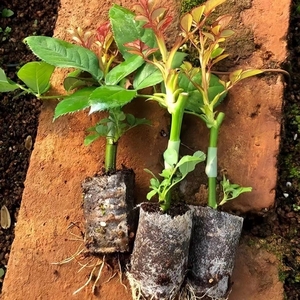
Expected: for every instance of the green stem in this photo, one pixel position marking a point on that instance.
(174, 142)
(176, 123)
(177, 117)
(166, 202)
(110, 154)
(40, 96)
(211, 167)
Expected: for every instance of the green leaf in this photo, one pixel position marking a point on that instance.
(195, 100)
(101, 130)
(142, 121)
(36, 75)
(110, 96)
(6, 85)
(130, 119)
(149, 172)
(2, 272)
(170, 157)
(147, 75)
(76, 79)
(151, 194)
(73, 103)
(71, 83)
(188, 163)
(232, 190)
(250, 73)
(6, 13)
(64, 55)
(166, 173)
(178, 59)
(126, 29)
(90, 139)
(154, 182)
(123, 69)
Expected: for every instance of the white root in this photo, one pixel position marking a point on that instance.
(70, 258)
(188, 293)
(85, 261)
(99, 275)
(87, 282)
(121, 274)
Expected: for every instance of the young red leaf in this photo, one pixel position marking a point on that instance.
(159, 13)
(164, 24)
(223, 21)
(102, 32)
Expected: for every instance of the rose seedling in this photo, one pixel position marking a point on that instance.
(208, 39)
(100, 80)
(165, 64)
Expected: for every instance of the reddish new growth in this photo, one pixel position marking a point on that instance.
(100, 42)
(102, 32)
(84, 39)
(140, 48)
(158, 19)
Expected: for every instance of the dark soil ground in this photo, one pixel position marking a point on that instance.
(18, 117)
(19, 120)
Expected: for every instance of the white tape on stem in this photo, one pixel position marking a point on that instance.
(211, 162)
(173, 145)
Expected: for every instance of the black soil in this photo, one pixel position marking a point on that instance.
(18, 116)
(19, 120)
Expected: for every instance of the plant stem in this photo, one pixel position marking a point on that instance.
(111, 144)
(212, 162)
(166, 202)
(110, 154)
(176, 122)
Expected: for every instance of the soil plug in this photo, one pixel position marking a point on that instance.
(159, 260)
(216, 234)
(214, 241)
(108, 212)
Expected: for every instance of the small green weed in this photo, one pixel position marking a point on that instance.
(5, 33)
(6, 13)
(2, 272)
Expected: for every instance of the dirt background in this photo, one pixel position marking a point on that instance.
(52, 194)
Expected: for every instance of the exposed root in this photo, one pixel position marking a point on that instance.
(91, 276)
(78, 253)
(188, 293)
(99, 275)
(136, 289)
(110, 278)
(87, 260)
(121, 274)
